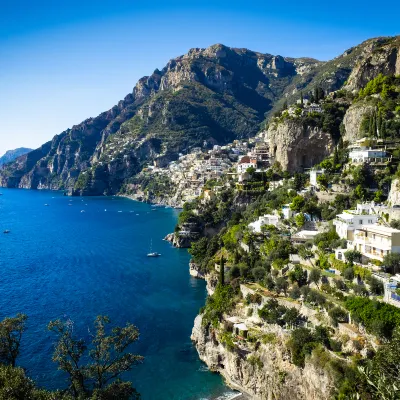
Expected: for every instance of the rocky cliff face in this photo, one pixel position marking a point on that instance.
(11, 155)
(353, 118)
(378, 56)
(296, 146)
(215, 95)
(275, 378)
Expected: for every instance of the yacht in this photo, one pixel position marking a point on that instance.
(152, 253)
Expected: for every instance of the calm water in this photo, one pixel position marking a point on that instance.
(60, 262)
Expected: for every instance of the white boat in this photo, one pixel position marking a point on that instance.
(152, 253)
(83, 211)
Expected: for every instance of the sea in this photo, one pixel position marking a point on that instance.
(74, 258)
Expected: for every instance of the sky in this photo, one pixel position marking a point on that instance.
(64, 61)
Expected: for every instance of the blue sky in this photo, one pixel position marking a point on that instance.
(64, 61)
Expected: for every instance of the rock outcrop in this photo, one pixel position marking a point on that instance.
(394, 194)
(273, 376)
(295, 146)
(353, 119)
(181, 241)
(378, 56)
(212, 95)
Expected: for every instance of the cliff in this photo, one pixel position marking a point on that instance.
(353, 119)
(215, 95)
(378, 56)
(296, 146)
(212, 95)
(11, 155)
(262, 370)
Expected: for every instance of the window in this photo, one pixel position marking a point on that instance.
(360, 221)
(370, 221)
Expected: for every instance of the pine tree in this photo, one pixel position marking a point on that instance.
(316, 95)
(374, 127)
(301, 99)
(222, 271)
(335, 158)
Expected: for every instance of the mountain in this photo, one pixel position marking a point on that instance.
(215, 95)
(11, 155)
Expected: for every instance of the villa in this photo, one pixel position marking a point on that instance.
(267, 219)
(364, 155)
(376, 241)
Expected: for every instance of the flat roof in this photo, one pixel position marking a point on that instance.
(381, 229)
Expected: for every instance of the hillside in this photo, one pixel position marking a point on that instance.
(11, 155)
(208, 96)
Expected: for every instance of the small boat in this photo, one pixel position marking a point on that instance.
(46, 205)
(83, 211)
(6, 231)
(152, 253)
(119, 211)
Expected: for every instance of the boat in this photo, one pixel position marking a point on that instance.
(152, 253)
(6, 231)
(46, 205)
(83, 211)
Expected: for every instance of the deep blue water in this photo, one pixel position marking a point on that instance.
(58, 262)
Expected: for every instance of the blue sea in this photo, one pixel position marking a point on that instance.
(60, 262)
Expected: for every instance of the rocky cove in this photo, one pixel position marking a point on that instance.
(263, 369)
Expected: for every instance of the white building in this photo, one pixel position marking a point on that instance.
(287, 211)
(245, 163)
(347, 222)
(268, 219)
(314, 173)
(368, 155)
(376, 241)
(304, 236)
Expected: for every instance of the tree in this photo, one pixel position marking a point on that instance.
(375, 286)
(11, 330)
(315, 276)
(295, 292)
(300, 220)
(96, 367)
(322, 181)
(297, 274)
(337, 314)
(348, 274)
(281, 285)
(382, 373)
(352, 256)
(298, 203)
(392, 262)
(258, 273)
(222, 271)
(336, 160)
(291, 316)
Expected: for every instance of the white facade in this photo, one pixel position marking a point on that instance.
(304, 236)
(267, 219)
(347, 222)
(287, 211)
(313, 176)
(376, 241)
(367, 155)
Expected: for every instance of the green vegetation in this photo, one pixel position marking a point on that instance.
(94, 368)
(378, 318)
(221, 301)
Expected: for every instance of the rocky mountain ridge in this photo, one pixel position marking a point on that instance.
(11, 155)
(212, 96)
